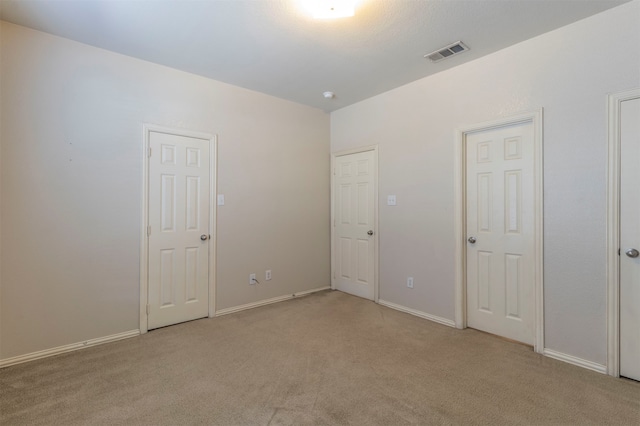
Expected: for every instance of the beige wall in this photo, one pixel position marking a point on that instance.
(70, 148)
(569, 73)
(71, 154)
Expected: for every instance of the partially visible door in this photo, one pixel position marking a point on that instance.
(630, 238)
(179, 229)
(354, 220)
(500, 231)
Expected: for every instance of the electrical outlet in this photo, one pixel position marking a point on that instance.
(410, 282)
(252, 279)
(267, 275)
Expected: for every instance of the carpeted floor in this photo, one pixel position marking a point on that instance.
(328, 359)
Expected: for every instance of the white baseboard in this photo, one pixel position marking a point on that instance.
(252, 305)
(590, 365)
(417, 313)
(67, 348)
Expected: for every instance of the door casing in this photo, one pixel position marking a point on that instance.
(144, 240)
(535, 118)
(614, 102)
(376, 243)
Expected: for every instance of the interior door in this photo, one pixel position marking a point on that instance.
(178, 229)
(500, 231)
(354, 220)
(630, 239)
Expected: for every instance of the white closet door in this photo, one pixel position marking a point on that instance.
(500, 231)
(179, 229)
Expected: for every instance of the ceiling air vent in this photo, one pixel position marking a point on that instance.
(452, 49)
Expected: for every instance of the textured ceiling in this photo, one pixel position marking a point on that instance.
(271, 46)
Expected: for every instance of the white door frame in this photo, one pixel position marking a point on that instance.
(376, 271)
(144, 239)
(614, 102)
(535, 118)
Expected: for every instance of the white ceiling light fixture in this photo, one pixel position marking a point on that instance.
(328, 95)
(329, 9)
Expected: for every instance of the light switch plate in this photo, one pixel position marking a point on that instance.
(391, 200)
(221, 199)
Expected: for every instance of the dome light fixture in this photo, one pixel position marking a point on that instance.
(328, 95)
(329, 9)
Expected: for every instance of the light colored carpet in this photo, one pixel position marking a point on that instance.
(327, 359)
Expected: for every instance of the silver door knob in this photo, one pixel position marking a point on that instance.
(204, 237)
(632, 252)
(472, 240)
(370, 232)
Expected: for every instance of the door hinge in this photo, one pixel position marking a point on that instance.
(148, 230)
(149, 152)
(618, 252)
(148, 309)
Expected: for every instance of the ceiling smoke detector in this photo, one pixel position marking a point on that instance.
(329, 95)
(445, 52)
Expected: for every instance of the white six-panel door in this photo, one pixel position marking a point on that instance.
(178, 207)
(354, 220)
(500, 231)
(630, 238)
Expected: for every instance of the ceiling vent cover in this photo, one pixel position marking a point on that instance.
(452, 49)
